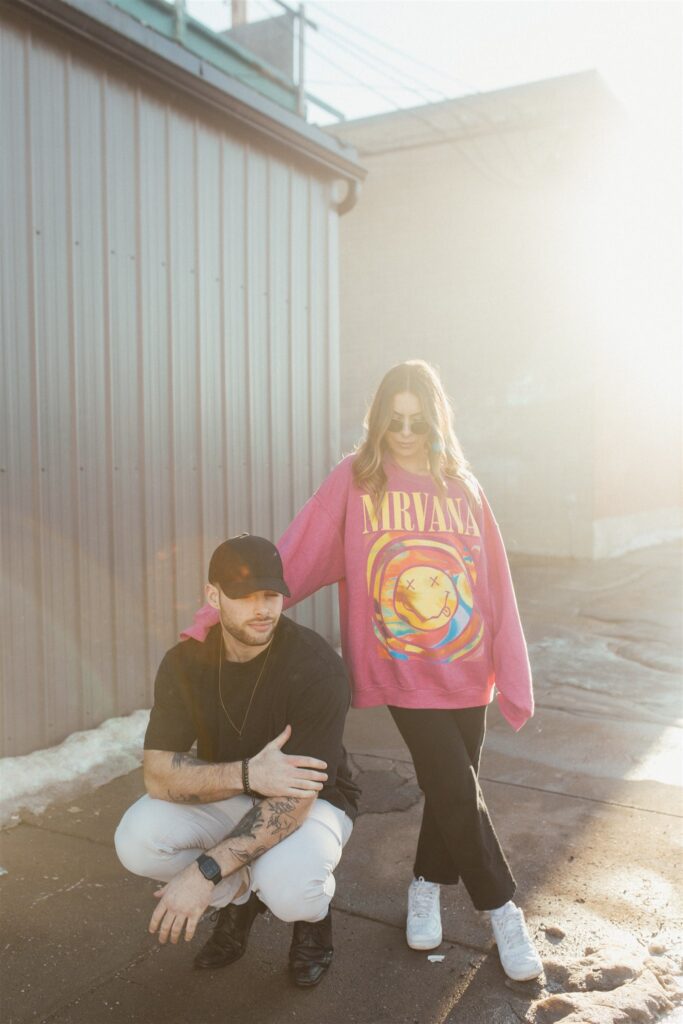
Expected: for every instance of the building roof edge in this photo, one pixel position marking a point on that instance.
(121, 35)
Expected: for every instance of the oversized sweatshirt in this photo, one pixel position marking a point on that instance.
(427, 608)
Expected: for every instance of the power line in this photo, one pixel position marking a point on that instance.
(445, 136)
(362, 54)
(401, 81)
(282, 22)
(394, 49)
(350, 74)
(355, 49)
(345, 71)
(421, 118)
(419, 89)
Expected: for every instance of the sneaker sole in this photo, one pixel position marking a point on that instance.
(525, 977)
(424, 943)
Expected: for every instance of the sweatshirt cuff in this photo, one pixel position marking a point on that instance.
(204, 619)
(514, 714)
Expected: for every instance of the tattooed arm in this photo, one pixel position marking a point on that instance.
(182, 778)
(183, 900)
(185, 779)
(264, 826)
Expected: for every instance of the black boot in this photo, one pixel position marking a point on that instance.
(311, 951)
(229, 940)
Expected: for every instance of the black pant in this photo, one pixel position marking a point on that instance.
(457, 839)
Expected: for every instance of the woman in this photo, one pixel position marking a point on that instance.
(429, 623)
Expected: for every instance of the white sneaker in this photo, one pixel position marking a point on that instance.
(517, 952)
(423, 927)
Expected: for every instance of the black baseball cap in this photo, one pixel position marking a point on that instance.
(244, 564)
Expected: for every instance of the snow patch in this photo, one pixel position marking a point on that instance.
(84, 761)
(607, 986)
(600, 970)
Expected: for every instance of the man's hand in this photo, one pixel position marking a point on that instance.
(273, 773)
(182, 901)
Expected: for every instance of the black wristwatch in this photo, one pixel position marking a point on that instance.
(210, 868)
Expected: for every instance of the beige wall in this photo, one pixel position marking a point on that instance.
(638, 382)
(497, 258)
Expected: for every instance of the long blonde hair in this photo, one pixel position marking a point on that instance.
(445, 456)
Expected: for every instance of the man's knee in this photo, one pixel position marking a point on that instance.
(138, 839)
(295, 899)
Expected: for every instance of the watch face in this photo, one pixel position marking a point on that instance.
(209, 868)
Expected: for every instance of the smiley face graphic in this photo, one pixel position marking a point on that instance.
(425, 597)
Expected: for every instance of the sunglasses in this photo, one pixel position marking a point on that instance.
(414, 426)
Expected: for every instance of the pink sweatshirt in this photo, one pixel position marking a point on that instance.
(427, 608)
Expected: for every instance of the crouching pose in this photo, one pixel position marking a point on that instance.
(245, 825)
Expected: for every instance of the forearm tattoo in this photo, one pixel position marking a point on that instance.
(187, 761)
(280, 821)
(249, 824)
(268, 818)
(179, 763)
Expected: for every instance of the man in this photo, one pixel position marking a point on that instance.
(243, 825)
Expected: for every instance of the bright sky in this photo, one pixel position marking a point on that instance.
(369, 56)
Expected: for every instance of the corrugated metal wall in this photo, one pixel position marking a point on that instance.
(169, 374)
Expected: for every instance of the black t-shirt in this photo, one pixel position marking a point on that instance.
(304, 684)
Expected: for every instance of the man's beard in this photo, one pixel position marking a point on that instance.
(246, 637)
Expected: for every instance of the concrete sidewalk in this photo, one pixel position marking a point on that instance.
(586, 801)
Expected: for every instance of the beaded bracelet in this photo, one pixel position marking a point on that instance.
(245, 777)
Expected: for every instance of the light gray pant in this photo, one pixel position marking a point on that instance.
(157, 839)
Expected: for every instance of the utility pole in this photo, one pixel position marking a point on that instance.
(300, 14)
(238, 10)
(301, 91)
(180, 20)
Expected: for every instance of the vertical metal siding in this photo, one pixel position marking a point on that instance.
(57, 521)
(318, 344)
(92, 405)
(186, 492)
(157, 406)
(168, 372)
(258, 439)
(299, 425)
(124, 384)
(333, 328)
(280, 342)
(210, 339)
(21, 648)
(235, 364)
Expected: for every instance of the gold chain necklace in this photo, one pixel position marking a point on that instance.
(253, 692)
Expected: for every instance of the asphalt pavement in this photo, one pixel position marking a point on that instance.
(586, 800)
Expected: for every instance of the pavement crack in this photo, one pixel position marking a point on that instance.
(600, 716)
(576, 796)
(621, 621)
(406, 759)
(515, 1013)
(401, 928)
(549, 792)
(99, 983)
(644, 661)
(135, 961)
(57, 892)
(70, 835)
